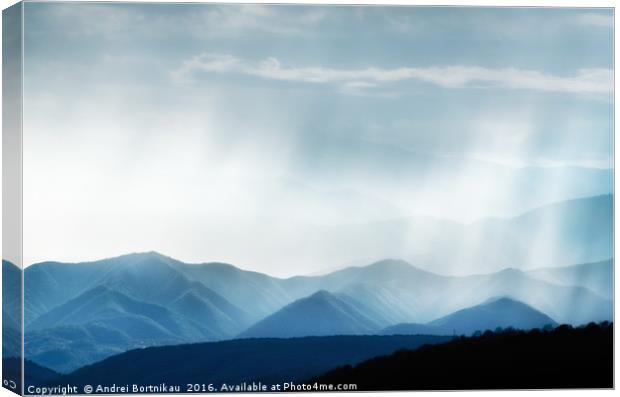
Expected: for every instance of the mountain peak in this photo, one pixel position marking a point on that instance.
(505, 299)
(511, 272)
(391, 263)
(146, 255)
(321, 298)
(496, 312)
(321, 294)
(500, 312)
(396, 268)
(319, 314)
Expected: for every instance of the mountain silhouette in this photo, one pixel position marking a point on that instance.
(498, 313)
(357, 300)
(565, 304)
(105, 307)
(561, 358)
(121, 310)
(593, 276)
(556, 234)
(320, 314)
(572, 231)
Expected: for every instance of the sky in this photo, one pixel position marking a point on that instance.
(240, 133)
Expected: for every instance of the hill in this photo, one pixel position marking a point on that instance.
(557, 233)
(320, 314)
(562, 358)
(264, 360)
(498, 313)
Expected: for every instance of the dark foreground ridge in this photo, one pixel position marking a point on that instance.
(565, 357)
(267, 360)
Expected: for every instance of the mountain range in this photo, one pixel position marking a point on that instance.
(77, 314)
(557, 234)
(498, 313)
(361, 164)
(104, 320)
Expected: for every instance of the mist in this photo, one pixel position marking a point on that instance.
(291, 159)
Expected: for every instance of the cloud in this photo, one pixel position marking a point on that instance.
(584, 81)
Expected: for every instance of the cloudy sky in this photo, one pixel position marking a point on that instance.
(231, 133)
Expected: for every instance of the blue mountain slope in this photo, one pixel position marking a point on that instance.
(151, 278)
(566, 304)
(320, 314)
(502, 312)
(560, 233)
(395, 291)
(211, 311)
(376, 273)
(573, 231)
(50, 284)
(383, 293)
(597, 277)
(65, 348)
(394, 288)
(102, 322)
(156, 279)
(387, 305)
(259, 293)
(105, 305)
(148, 277)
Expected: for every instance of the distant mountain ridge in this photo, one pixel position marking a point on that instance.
(569, 232)
(166, 301)
(362, 300)
(498, 313)
(593, 276)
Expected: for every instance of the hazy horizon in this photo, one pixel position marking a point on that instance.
(262, 136)
(333, 267)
